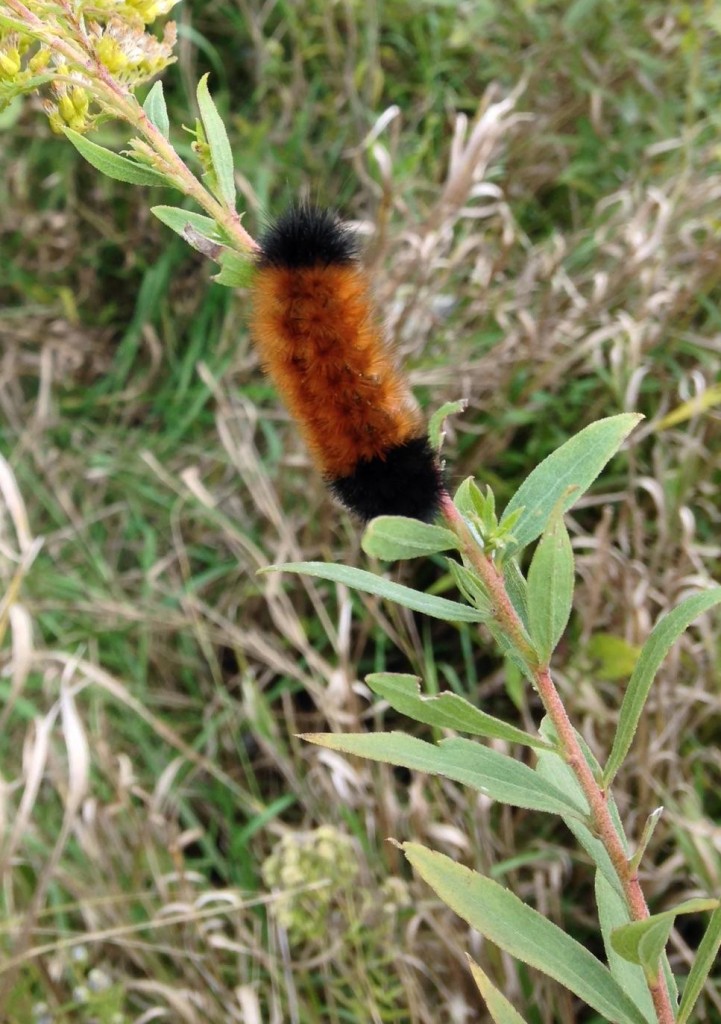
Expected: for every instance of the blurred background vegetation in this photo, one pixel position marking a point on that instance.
(539, 187)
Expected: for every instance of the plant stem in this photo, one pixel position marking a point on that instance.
(119, 100)
(508, 621)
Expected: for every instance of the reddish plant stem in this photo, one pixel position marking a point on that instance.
(119, 100)
(510, 624)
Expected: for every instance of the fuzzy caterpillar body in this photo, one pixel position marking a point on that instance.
(318, 339)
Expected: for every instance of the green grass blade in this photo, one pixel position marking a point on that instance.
(663, 635)
(703, 962)
(369, 583)
(502, 918)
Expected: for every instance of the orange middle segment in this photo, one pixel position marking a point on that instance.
(317, 339)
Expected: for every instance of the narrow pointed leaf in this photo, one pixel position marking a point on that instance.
(566, 475)
(662, 637)
(517, 589)
(113, 165)
(703, 962)
(613, 914)
(369, 583)
(178, 220)
(501, 1011)
(217, 136)
(500, 777)
(550, 588)
(394, 537)
(446, 710)
(471, 587)
(524, 933)
(156, 109)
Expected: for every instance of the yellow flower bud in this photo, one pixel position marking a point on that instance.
(110, 54)
(10, 64)
(80, 100)
(40, 60)
(66, 110)
(56, 123)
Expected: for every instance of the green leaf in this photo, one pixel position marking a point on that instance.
(178, 220)
(550, 588)
(498, 776)
(663, 635)
(524, 933)
(555, 770)
(220, 152)
(113, 165)
(497, 1005)
(616, 657)
(517, 589)
(236, 271)
(613, 914)
(369, 583)
(703, 962)
(643, 942)
(435, 424)
(446, 710)
(566, 474)
(471, 587)
(156, 109)
(393, 537)
(468, 497)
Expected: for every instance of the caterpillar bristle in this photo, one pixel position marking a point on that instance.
(318, 338)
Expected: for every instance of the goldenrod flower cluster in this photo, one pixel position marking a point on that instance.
(68, 50)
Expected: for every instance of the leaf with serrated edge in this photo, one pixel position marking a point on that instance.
(662, 637)
(446, 710)
(156, 109)
(113, 165)
(502, 918)
(500, 777)
(369, 583)
(217, 137)
(703, 962)
(394, 537)
(576, 464)
(550, 588)
(497, 1005)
